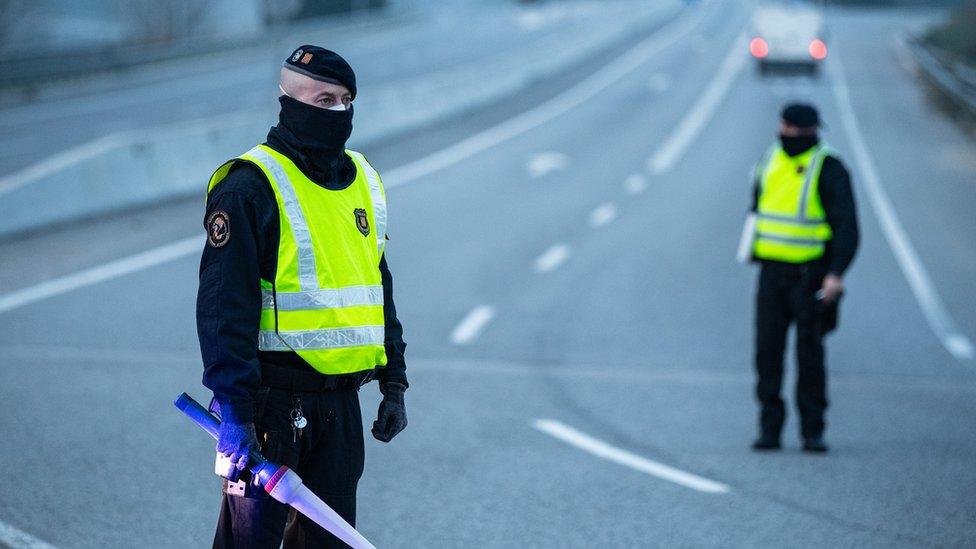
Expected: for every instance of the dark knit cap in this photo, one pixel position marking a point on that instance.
(322, 65)
(801, 115)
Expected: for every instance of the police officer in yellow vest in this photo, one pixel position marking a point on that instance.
(805, 238)
(295, 308)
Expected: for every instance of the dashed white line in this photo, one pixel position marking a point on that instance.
(552, 258)
(701, 112)
(701, 44)
(635, 184)
(108, 271)
(603, 214)
(659, 83)
(918, 278)
(543, 164)
(603, 450)
(572, 98)
(470, 328)
(18, 539)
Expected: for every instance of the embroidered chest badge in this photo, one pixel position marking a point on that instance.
(362, 222)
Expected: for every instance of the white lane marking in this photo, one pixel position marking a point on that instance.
(569, 99)
(18, 539)
(552, 258)
(603, 214)
(701, 112)
(108, 271)
(573, 97)
(603, 450)
(635, 184)
(543, 164)
(918, 277)
(659, 83)
(472, 325)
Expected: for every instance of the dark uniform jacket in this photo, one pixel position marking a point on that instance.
(229, 298)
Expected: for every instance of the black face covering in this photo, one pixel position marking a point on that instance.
(799, 144)
(315, 139)
(318, 130)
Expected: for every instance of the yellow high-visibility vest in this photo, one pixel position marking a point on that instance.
(791, 224)
(326, 300)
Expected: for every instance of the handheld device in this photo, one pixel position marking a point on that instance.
(280, 482)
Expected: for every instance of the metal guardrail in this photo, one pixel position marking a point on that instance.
(952, 78)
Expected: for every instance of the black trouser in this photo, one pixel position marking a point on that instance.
(787, 294)
(328, 456)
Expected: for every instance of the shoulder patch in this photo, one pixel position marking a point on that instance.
(218, 228)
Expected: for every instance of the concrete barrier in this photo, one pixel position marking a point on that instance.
(139, 168)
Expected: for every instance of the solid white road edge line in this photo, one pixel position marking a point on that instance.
(18, 539)
(101, 273)
(918, 278)
(552, 258)
(569, 99)
(668, 154)
(573, 97)
(603, 450)
(472, 325)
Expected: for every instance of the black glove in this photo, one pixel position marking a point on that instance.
(392, 415)
(236, 441)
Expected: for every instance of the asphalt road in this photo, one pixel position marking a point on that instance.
(574, 272)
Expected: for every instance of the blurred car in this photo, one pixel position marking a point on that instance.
(788, 35)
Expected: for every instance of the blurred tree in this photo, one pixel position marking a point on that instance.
(958, 34)
(278, 11)
(290, 10)
(162, 21)
(12, 12)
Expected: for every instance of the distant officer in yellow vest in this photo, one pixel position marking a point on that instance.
(295, 309)
(805, 238)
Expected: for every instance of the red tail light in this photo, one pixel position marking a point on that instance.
(818, 50)
(758, 48)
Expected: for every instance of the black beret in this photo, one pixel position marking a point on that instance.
(322, 65)
(801, 115)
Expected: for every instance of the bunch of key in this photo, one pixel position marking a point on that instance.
(298, 421)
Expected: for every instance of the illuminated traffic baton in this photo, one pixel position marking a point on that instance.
(279, 481)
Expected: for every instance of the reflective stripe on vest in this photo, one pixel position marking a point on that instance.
(326, 300)
(296, 218)
(323, 299)
(334, 338)
(379, 199)
(791, 224)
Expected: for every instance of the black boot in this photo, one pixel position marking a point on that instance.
(766, 441)
(815, 445)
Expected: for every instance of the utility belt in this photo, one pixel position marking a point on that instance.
(308, 381)
(797, 270)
